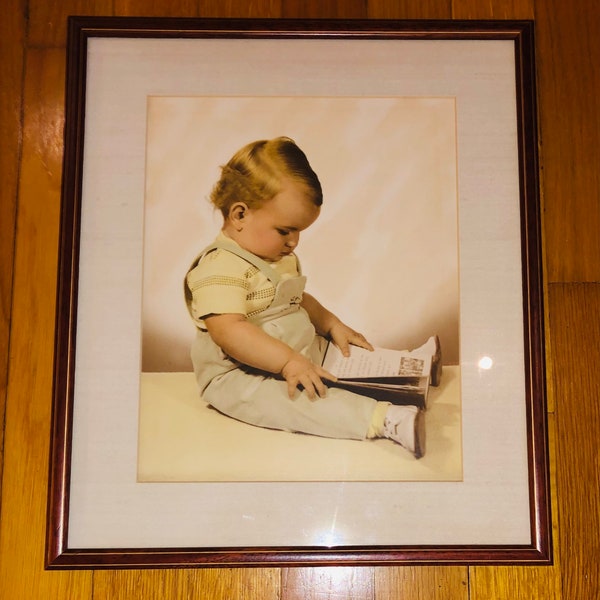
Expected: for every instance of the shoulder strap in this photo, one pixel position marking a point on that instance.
(273, 276)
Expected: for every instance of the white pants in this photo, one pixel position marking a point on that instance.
(262, 399)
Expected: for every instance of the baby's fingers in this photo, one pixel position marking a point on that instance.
(356, 339)
(292, 386)
(324, 374)
(313, 386)
(360, 340)
(344, 346)
(310, 383)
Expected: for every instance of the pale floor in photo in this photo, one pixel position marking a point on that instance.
(181, 439)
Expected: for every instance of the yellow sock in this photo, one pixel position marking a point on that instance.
(377, 420)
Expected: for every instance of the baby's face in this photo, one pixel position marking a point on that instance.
(273, 230)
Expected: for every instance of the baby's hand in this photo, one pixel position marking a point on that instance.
(342, 336)
(301, 371)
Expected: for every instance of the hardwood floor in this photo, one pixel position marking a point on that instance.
(32, 55)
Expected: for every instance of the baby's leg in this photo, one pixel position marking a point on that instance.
(263, 401)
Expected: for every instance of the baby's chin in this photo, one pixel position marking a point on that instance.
(276, 257)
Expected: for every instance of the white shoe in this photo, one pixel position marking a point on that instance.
(405, 425)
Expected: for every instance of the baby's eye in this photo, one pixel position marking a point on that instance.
(282, 232)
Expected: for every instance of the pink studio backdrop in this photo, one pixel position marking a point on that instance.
(383, 255)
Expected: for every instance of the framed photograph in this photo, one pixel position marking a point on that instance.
(423, 138)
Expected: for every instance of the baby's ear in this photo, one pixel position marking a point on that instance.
(237, 212)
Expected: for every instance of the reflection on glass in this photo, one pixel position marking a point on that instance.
(485, 362)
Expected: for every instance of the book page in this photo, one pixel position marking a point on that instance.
(381, 362)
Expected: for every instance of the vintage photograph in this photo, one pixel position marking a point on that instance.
(378, 245)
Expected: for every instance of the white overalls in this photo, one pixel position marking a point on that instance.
(262, 399)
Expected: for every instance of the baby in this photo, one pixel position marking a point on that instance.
(259, 336)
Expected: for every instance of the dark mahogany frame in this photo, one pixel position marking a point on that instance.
(58, 554)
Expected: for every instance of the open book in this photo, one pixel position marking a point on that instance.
(396, 376)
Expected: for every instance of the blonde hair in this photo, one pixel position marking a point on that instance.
(255, 174)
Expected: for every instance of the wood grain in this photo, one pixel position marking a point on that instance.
(508, 583)
(426, 9)
(178, 584)
(328, 583)
(12, 35)
(23, 524)
(575, 325)
(227, 9)
(568, 44)
(493, 9)
(48, 20)
(422, 583)
(568, 37)
(156, 8)
(325, 9)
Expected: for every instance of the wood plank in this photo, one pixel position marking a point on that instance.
(325, 9)
(12, 35)
(568, 44)
(567, 38)
(575, 325)
(514, 583)
(228, 9)
(175, 584)
(426, 9)
(156, 8)
(328, 583)
(48, 20)
(493, 9)
(422, 583)
(23, 525)
(152, 584)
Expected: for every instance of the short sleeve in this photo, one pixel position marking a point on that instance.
(219, 284)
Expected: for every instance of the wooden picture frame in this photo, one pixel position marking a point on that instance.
(99, 514)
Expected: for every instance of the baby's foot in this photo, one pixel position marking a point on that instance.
(405, 425)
